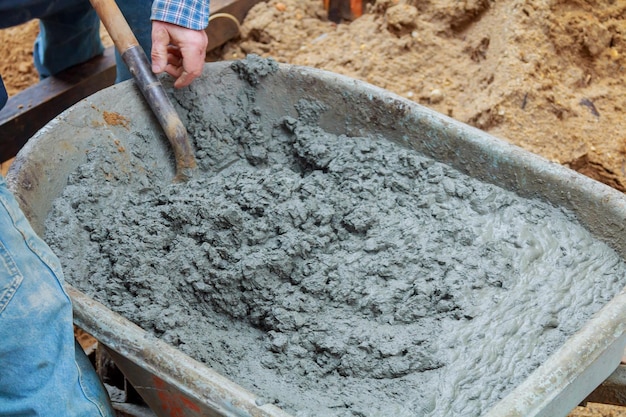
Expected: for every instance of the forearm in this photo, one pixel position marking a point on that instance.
(190, 14)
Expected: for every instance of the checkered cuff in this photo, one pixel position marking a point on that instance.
(192, 14)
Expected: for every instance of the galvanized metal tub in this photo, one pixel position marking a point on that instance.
(174, 384)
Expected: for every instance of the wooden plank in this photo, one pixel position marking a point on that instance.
(612, 391)
(131, 410)
(27, 112)
(221, 29)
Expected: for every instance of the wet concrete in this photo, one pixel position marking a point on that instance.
(332, 275)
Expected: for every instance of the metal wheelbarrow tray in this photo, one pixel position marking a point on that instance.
(174, 384)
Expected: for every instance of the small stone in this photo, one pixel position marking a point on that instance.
(23, 67)
(402, 17)
(435, 96)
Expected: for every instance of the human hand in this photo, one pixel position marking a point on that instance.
(178, 51)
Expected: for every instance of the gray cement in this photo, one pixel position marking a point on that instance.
(331, 275)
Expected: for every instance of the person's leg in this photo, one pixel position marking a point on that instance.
(16, 12)
(39, 359)
(68, 35)
(137, 14)
(70, 31)
(3, 94)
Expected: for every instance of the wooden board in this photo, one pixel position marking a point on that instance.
(612, 391)
(223, 29)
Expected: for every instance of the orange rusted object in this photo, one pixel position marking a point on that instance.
(173, 403)
(339, 10)
(356, 8)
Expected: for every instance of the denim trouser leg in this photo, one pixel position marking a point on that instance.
(40, 373)
(137, 14)
(3, 93)
(70, 31)
(67, 37)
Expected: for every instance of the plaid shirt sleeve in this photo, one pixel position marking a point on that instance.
(192, 14)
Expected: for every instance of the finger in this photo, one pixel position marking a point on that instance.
(175, 71)
(193, 63)
(184, 79)
(175, 60)
(173, 50)
(159, 52)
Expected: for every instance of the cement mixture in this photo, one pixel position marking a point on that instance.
(331, 275)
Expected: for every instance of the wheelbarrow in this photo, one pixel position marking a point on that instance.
(172, 383)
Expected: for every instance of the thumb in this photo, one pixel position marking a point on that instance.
(160, 40)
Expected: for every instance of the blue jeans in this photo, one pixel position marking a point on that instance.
(3, 94)
(137, 14)
(43, 371)
(69, 32)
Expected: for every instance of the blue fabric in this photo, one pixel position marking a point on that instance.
(66, 38)
(3, 94)
(43, 371)
(137, 14)
(69, 31)
(16, 12)
(192, 14)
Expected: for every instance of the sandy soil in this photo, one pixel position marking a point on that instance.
(16, 67)
(547, 75)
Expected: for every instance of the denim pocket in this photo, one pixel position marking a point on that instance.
(10, 277)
